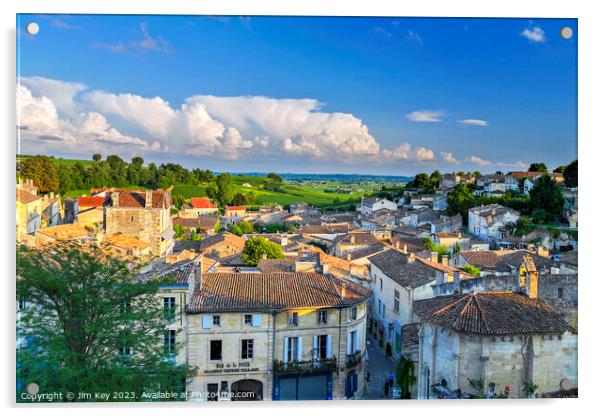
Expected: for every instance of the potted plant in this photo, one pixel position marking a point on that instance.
(530, 389)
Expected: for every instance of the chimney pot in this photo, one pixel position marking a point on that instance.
(343, 290)
(434, 256)
(348, 256)
(445, 260)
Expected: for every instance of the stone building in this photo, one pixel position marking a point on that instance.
(279, 336)
(144, 215)
(198, 206)
(29, 213)
(503, 341)
(490, 222)
(399, 279)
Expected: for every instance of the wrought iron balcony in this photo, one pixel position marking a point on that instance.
(305, 367)
(354, 359)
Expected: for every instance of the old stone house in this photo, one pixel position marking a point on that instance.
(502, 341)
(279, 336)
(144, 215)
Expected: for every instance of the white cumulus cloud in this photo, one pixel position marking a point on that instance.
(478, 161)
(448, 157)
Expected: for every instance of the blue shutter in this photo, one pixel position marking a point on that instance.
(285, 349)
(328, 346)
(207, 321)
(300, 349)
(256, 319)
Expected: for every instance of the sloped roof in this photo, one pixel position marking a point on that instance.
(201, 203)
(90, 201)
(501, 260)
(409, 274)
(273, 291)
(492, 313)
(224, 237)
(137, 199)
(366, 251)
(360, 239)
(26, 197)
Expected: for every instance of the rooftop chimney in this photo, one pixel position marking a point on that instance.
(445, 260)
(352, 239)
(348, 256)
(325, 269)
(434, 256)
(532, 284)
(343, 290)
(405, 248)
(148, 203)
(457, 280)
(411, 257)
(397, 244)
(115, 198)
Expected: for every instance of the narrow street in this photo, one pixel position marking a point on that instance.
(379, 367)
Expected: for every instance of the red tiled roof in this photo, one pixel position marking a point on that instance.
(235, 208)
(492, 313)
(273, 291)
(90, 201)
(26, 197)
(137, 199)
(201, 203)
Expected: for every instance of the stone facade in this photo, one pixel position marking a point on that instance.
(148, 222)
(509, 360)
(266, 372)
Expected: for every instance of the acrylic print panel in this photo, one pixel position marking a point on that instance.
(225, 208)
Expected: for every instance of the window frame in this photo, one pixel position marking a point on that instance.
(211, 343)
(322, 317)
(216, 318)
(395, 300)
(250, 320)
(169, 342)
(169, 308)
(293, 318)
(247, 346)
(353, 313)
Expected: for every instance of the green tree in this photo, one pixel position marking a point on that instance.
(242, 227)
(43, 172)
(97, 157)
(570, 174)
(435, 178)
(239, 199)
(538, 167)
(65, 179)
(460, 200)
(225, 188)
(405, 376)
(547, 196)
(560, 169)
(90, 326)
(257, 248)
(138, 161)
(472, 270)
(179, 231)
(274, 177)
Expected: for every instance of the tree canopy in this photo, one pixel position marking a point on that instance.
(460, 200)
(90, 326)
(257, 248)
(538, 167)
(547, 199)
(43, 172)
(570, 174)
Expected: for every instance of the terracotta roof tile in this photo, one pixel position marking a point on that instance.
(201, 203)
(26, 197)
(273, 291)
(492, 313)
(90, 201)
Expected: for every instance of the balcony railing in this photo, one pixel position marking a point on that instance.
(302, 367)
(354, 359)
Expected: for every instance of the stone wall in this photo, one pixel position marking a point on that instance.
(146, 224)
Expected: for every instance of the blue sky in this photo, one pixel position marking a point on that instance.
(301, 94)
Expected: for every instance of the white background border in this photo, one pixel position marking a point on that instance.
(590, 155)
